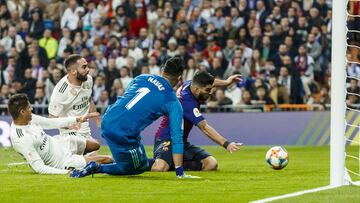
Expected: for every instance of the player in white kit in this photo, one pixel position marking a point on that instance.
(72, 95)
(46, 154)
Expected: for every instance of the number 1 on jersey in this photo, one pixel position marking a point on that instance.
(140, 94)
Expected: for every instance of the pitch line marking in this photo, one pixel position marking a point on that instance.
(294, 194)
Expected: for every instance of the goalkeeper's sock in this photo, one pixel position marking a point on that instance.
(151, 163)
(192, 165)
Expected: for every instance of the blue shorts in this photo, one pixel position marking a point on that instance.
(129, 159)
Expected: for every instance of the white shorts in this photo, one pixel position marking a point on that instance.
(74, 142)
(85, 135)
(72, 149)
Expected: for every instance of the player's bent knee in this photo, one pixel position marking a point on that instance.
(92, 145)
(209, 164)
(160, 166)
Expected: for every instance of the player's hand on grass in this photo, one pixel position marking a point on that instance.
(185, 176)
(233, 147)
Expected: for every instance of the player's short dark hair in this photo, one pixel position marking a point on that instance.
(71, 60)
(203, 79)
(17, 103)
(174, 66)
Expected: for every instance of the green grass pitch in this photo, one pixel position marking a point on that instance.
(242, 177)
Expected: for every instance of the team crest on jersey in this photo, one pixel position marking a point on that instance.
(73, 91)
(86, 86)
(166, 145)
(196, 112)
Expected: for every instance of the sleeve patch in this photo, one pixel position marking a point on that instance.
(196, 112)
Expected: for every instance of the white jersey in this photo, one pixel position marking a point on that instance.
(70, 100)
(45, 154)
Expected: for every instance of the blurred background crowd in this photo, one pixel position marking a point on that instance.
(282, 48)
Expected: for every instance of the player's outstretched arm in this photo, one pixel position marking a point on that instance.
(51, 123)
(224, 83)
(217, 138)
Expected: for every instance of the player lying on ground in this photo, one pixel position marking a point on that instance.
(146, 99)
(46, 154)
(191, 94)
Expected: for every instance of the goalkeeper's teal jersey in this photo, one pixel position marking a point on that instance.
(146, 99)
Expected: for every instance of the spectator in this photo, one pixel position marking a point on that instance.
(64, 42)
(36, 68)
(103, 101)
(140, 20)
(40, 52)
(262, 97)
(324, 98)
(314, 50)
(36, 24)
(218, 20)
(237, 65)
(153, 67)
(49, 43)
(116, 88)
(233, 92)
(216, 69)
(353, 70)
(41, 101)
(144, 61)
(5, 94)
(304, 63)
(100, 60)
(237, 20)
(134, 51)
(111, 73)
(29, 85)
(12, 40)
(16, 5)
(99, 86)
(125, 76)
(278, 93)
(225, 32)
(172, 48)
(246, 98)
(221, 100)
(50, 82)
(70, 17)
(229, 50)
(92, 13)
(256, 63)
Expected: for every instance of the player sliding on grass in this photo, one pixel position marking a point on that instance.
(191, 94)
(46, 154)
(146, 99)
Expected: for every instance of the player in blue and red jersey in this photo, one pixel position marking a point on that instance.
(191, 94)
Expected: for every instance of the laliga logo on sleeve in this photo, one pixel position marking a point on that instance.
(196, 112)
(5, 134)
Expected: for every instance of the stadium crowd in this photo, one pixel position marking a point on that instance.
(282, 48)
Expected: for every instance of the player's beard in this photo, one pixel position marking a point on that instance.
(203, 97)
(80, 77)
